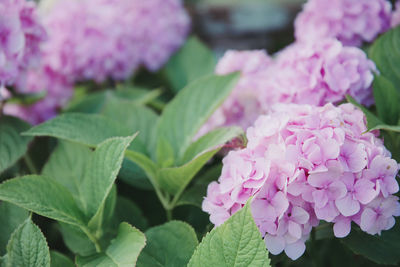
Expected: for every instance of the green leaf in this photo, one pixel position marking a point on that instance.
(86, 129)
(237, 242)
(382, 249)
(60, 260)
(43, 196)
(209, 141)
(192, 61)
(145, 163)
(168, 245)
(387, 99)
(188, 111)
(195, 194)
(174, 180)
(28, 247)
(97, 102)
(67, 166)
(101, 172)
(76, 240)
(136, 118)
(123, 250)
(128, 211)
(165, 153)
(12, 145)
(385, 53)
(10, 217)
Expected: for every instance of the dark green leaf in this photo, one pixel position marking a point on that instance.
(12, 145)
(60, 260)
(168, 245)
(387, 100)
(10, 217)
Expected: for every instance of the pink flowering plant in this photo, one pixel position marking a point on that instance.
(125, 142)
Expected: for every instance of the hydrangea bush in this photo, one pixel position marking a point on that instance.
(113, 120)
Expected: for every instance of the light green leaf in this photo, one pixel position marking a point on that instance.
(67, 166)
(12, 145)
(43, 196)
(192, 61)
(382, 249)
(165, 153)
(236, 243)
(122, 252)
(209, 141)
(387, 99)
(28, 247)
(10, 217)
(60, 260)
(385, 53)
(101, 172)
(86, 129)
(188, 111)
(168, 245)
(174, 180)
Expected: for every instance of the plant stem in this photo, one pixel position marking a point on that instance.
(169, 214)
(92, 238)
(29, 163)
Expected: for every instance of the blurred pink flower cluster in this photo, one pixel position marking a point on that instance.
(303, 164)
(396, 15)
(350, 21)
(20, 38)
(88, 40)
(100, 39)
(303, 73)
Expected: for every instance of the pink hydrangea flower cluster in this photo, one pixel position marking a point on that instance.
(303, 73)
(396, 15)
(303, 164)
(319, 73)
(20, 38)
(244, 104)
(99, 39)
(58, 91)
(350, 21)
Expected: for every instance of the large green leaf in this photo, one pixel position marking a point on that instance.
(385, 52)
(382, 249)
(145, 163)
(236, 243)
(12, 145)
(192, 61)
(101, 172)
(175, 179)
(60, 260)
(122, 252)
(67, 166)
(128, 211)
(97, 102)
(210, 141)
(43, 196)
(189, 110)
(87, 129)
(168, 245)
(387, 99)
(28, 247)
(10, 217)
